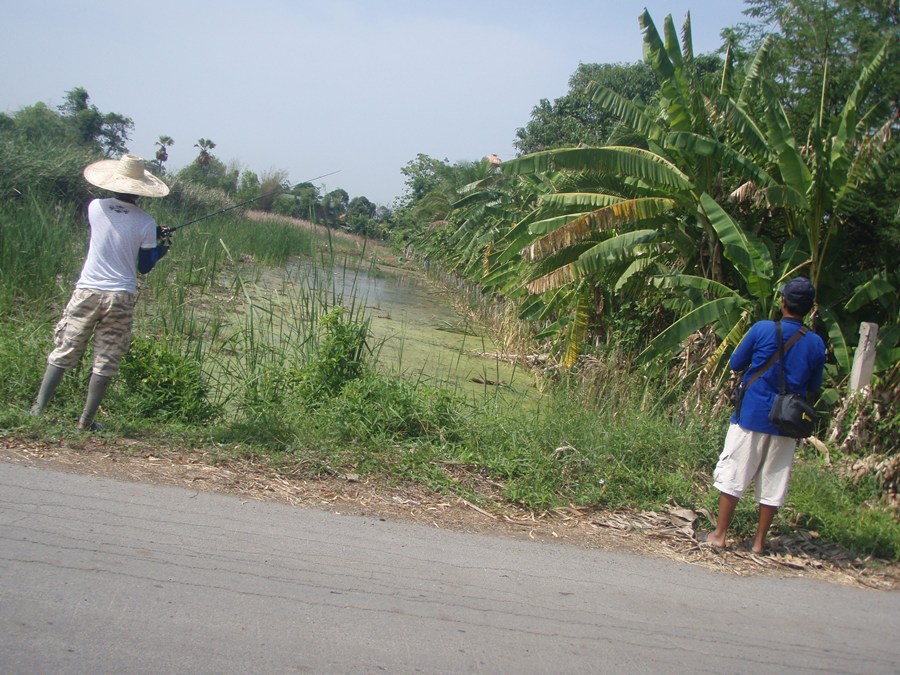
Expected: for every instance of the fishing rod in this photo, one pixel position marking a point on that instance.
(165, 232)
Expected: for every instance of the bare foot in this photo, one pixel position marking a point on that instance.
(716, 542)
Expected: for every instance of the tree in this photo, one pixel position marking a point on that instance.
(334, 206)
(573, 119)
(89, 126)
(621, 217)
(204, 158)
(271, 184)
(114, 134)
(817, 40)
(361, 216)
(308, 201)
(424, 174)
(38, 124)
(819, 48)
(162, 153)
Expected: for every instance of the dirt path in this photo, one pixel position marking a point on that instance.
(664, 535)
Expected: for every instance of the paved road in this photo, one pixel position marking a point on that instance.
(102, 576)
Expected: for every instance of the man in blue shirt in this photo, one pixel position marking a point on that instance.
(755, 450)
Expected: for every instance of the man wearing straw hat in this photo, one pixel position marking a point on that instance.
(122, 237)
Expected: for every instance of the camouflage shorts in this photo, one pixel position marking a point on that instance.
(107, 315)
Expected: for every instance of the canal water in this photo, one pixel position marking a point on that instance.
(417, 334)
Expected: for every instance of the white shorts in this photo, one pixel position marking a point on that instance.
(754, 456)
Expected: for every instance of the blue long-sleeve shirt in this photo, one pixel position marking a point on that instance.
(804, 364)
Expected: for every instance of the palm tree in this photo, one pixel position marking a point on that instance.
(205, 145)
(162, 154)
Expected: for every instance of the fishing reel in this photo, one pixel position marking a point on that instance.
(164, 234)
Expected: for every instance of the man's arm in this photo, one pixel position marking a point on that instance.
(148, 257)
(743, 354)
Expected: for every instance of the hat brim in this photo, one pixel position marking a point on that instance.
(104, 174)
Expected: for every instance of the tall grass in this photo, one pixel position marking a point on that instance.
(50, 169)
(41, 246)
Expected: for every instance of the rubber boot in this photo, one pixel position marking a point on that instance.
(96, 391)
(52, 377)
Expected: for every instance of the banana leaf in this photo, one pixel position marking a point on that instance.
(539, 228)
(613, 250)
(847, 129)
(754, 71)
(877, 287)
(613, 217)
(635, 268)
(676, 281)
(566, 202)
(727, 157)
(794, 172)
(748, 253)
(620, 107)
(672, 97)
(710, 312)
(836, 339)
(644, 165)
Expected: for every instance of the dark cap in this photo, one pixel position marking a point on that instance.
(799, 293)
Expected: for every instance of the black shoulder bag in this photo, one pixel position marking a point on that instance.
(792, 413)
(737, 395)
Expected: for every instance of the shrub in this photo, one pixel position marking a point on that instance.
(163, 384)
(340, 358)
(376, 406)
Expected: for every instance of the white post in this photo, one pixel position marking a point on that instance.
(864, 359)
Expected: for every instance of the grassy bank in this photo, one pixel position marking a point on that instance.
(228, 353)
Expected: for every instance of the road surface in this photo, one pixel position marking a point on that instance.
(105, 576)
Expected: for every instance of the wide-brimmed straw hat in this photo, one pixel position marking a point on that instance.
(126, 176)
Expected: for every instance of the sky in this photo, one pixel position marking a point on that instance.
(354, 86)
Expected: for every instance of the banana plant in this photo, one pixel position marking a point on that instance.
(664, 222)
(813, 184)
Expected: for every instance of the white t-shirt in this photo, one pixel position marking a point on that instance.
(118, 230)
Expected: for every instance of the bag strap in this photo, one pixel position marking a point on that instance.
(782, 348)
(781, 387)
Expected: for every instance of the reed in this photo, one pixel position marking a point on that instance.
(40, 250)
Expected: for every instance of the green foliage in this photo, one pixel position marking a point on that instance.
(334, 208)
(361, 216)
(574, 119)
(165, 384)
(599, 451)
(340, 358)
(852, 515)
(186, 200)
(211, 174)
(52, 170)
(88, 126)
(376, 407)
(38, 252)
(814, 35)
(24, 343)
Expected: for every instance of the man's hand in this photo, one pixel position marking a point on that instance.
(164, 235)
